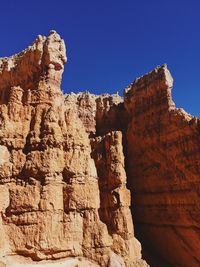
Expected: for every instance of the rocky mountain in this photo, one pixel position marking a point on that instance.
(72, 165)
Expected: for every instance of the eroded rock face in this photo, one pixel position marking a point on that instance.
(62, 194)
(163, 168)
(65, 161)
(100, 114)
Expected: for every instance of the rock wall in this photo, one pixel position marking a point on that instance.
(65, 161)
(163, 168)
(100, 114)
(62, 194)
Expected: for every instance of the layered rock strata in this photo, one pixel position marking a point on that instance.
(62, 194)
(163, 168)
(162, 151)
(65, 161)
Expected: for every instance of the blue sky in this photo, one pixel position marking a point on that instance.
(110, 43)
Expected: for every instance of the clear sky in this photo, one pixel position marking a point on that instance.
(111, 42)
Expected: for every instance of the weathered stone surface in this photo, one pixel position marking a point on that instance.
(163, 156)
(53, 198)
(114, 197)
(99, 114)
(65, 161)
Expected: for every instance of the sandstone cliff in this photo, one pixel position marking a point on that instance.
(62, 177)
(66, 161)
(163, 168)
(162, 154)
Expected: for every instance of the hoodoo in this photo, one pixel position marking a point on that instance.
(63, 194)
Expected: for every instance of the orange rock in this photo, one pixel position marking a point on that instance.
(53, 198)
(163, 155)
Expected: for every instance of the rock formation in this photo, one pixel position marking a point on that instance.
(65, 161)
(62, 188)
(163, 168)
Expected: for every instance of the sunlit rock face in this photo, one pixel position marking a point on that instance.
(66, 160)
(62, 176)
